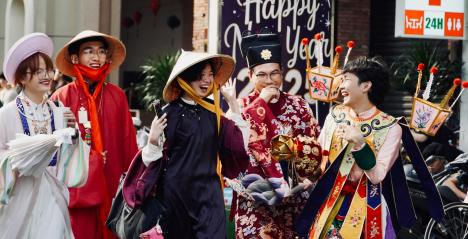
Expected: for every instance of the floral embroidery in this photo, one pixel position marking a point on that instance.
(294, 118)
(374, 228)
(307, 149)
(355, 218)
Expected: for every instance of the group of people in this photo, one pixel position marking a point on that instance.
(333, 185)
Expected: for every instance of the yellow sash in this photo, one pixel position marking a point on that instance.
(213, 108)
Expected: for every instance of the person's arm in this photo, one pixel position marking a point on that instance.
(321, 140)
(377, 166)
(129, 144)
(154, 148)
(452, 183)
(232, 152)
(260, 118)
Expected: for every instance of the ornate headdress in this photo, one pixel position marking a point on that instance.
(427, 117)
(324, 82)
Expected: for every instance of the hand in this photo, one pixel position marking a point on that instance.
(351, 134)
(268, 93)
(229, 90)
(307, 184)
(70, 117)
(157, 129)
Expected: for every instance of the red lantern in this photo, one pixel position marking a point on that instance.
(155, 5)
(137, 17)
(127, 22)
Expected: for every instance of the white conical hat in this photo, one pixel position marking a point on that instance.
(224, 67)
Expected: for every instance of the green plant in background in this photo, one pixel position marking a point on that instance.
(405, 75)
(156, 72)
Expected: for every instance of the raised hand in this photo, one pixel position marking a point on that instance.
(157, 129)
(229, 92)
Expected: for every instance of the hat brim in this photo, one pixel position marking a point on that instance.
(117, 52)
(24, 48)
(225, 67)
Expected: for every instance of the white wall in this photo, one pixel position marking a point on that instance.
(60, 19)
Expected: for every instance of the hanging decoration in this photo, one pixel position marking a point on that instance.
(155, 5)
(173, 22)
(137, 16)
(127, 23)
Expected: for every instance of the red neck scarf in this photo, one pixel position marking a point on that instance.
(97, 76)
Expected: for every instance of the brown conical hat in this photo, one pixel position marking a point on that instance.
(116, 50)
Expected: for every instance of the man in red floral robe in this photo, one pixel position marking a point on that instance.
(267, 201)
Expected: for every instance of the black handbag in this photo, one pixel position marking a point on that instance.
(129, 221)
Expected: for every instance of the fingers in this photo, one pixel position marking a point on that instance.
(157, 120)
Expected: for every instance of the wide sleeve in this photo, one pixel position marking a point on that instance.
(262, 130)
(232, 152)
(386, 156)
(309, 126)
(322, 141)
(128, 133)
(26, 156)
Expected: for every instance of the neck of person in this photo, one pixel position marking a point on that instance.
(362, 106)
(186, 97)
(91, 84)
(35, 96)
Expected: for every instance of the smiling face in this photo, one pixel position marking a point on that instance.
(202, 86)
(92, 54)
(268, 74)
(353, 92)
(38, 80)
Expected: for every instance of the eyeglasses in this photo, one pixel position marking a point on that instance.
(275, 75)
(42, 74)
(91, 52)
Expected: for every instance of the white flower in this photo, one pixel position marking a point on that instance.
(307, 149)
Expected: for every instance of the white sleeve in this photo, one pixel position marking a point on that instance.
(151, 153)
(242, 124)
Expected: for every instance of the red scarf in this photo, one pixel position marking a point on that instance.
(97, 76)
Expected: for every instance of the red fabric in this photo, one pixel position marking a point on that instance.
(264, 117)
(119, 140)
(85, 222)
(98, 76)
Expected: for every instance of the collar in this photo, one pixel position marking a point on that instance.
(368, 114)
(22, 96)
(190, 102)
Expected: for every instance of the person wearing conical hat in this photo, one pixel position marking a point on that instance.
(104, 121)
(268, 201)
(34, 171)
(201, 145)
